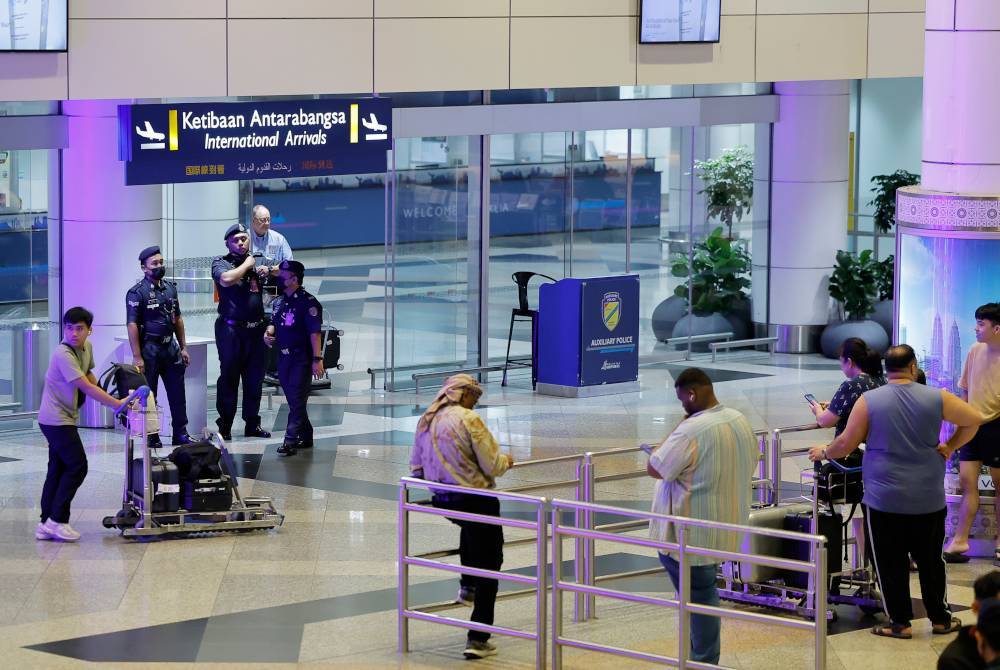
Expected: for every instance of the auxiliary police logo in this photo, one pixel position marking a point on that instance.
(611, 309)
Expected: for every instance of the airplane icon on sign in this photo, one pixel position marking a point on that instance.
(156, 139)
(378, 130)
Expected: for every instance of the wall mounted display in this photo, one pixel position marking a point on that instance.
(679, 21)
(33, 25)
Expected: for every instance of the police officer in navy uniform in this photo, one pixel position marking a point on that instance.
(156, 334)
(239, 277)
(296, 325)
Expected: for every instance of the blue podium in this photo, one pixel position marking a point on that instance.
(588, 336)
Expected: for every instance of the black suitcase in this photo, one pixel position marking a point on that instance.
(212, 494)
(830, 525)
(166, 483)
(197, 460)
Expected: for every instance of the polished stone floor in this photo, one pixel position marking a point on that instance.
(321, 590)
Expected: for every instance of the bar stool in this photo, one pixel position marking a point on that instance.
(523, 312)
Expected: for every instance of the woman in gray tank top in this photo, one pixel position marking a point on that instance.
(904, 485)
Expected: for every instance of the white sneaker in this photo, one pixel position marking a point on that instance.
(61, 531)
(474, 650)
(41, 533)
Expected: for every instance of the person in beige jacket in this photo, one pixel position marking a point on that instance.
(454, 446)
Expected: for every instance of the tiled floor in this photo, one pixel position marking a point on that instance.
(320, 591)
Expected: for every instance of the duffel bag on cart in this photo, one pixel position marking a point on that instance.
(204, 486)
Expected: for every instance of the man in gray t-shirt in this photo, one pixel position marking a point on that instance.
(904, 486)
(68, 378)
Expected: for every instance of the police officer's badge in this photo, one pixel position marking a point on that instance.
(611, 309)
(312, 311)
(289, 318)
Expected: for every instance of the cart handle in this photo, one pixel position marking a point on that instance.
(140, 394)
(844, 468)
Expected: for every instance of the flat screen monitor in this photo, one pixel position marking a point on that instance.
(679, 21)
(33, 25)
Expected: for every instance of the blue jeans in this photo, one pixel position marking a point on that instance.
(705, 630)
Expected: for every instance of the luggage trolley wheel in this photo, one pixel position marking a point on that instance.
(125, 518)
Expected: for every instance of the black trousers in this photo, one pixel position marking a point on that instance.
(163, 361)
(480, 545)
(242, 357)
(295, 375)
(67, 470)
(893, 539)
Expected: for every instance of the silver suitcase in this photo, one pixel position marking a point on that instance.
(763, 517)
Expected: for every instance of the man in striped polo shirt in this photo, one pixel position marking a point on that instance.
(705, 470)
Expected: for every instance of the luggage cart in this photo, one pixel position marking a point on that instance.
(772, 589)
(136, 518)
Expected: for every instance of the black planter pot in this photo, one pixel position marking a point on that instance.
(666, 315)
(883, 317)
(868, 330)
(703, 325)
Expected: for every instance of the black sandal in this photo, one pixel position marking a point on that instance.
(892, 630)
(953, 626)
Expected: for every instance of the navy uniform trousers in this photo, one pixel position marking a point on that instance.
(295, 375)
(242, 357)
(163, 361)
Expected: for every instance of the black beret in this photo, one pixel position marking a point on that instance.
(233, 230)
(294, 267)
(147, 252)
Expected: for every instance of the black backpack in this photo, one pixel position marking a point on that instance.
(121, 379)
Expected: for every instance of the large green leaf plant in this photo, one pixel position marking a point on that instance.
(854, 284)
(884, 188)
(719, 276)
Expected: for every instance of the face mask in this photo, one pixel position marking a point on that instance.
(158, 273)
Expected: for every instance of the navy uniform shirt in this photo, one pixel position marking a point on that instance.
(243, 301)
(153, 308)
(295, 317)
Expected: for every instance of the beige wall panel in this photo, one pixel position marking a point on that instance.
(730, 7)
(440, 8)
(293, 9)
(805, 47)
(440, 54)
(300, 56)
(812, 6)
(33, 76)
(731, 60)
(147, 9)
(574, 7)
(568, 52)
(896, 45)
(879, 6)
(147, 58)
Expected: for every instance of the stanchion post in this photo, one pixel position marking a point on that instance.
(821, 596)
(775, 465)
(403, 590)
(590, 496)
(578, 543)
(542, 596)
(683, 597)
(766, 495)
(557, 606)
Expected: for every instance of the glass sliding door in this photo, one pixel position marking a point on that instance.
(433, 257)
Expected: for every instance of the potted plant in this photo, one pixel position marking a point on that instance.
(853, 286)
(728, 183)
(884, 284)
(884, 187)
(720, 282)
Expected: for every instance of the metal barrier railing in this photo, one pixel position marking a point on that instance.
(538, 583)
(815, 567)
(591, 479)
(778, 453)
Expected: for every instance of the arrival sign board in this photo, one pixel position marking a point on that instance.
(221, 141)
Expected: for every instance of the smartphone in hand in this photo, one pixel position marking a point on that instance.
(811, 399)
(648, 448)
